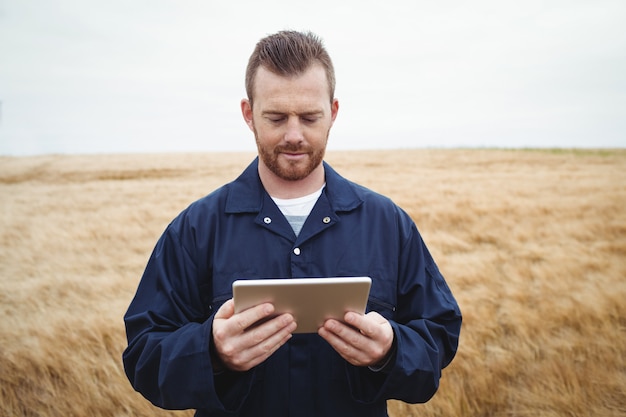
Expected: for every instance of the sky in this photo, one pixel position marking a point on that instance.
(120, 76)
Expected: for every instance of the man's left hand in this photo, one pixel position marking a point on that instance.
(363, 340)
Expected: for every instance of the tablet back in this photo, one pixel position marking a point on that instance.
(310, 300)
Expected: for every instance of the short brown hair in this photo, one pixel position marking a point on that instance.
(289, 53)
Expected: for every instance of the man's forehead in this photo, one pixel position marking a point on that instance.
(314, 67)
(311, 81)
(299, 102)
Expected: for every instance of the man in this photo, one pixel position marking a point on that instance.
(289, 215)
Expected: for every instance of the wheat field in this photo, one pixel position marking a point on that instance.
(532, 243)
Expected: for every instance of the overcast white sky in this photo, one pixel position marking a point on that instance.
(82, 76)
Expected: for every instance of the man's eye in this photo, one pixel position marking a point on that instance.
(310, 119)
(276, 119)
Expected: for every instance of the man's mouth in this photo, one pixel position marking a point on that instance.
(293, 155)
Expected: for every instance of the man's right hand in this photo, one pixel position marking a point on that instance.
(241, 347)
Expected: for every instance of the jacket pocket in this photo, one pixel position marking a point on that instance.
(384, 308)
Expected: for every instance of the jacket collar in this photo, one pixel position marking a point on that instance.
(246, 193)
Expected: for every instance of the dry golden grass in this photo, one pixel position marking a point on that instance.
(533, 244)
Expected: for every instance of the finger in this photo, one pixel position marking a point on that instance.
(368, 325)
(378, 332)
(259, 343)
(270, 336)
(347, 341)
(229, 330)
(247, 318)
(363, 340)
(327, 331)
(258, 334)
(349, 334)
(226, 310)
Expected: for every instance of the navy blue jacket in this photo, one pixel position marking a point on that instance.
(238, 232)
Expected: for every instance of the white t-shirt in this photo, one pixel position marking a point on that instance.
(296, 210)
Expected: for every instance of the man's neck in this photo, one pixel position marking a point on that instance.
(285, 189)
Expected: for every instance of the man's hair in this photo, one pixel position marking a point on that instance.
(289, 53)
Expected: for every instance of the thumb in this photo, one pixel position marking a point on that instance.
(226, 311)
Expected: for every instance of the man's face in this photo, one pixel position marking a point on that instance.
(291, 118)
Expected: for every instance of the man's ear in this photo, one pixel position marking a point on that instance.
(246, 111)
(334, 109)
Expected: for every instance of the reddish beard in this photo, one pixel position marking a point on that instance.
(290, 170)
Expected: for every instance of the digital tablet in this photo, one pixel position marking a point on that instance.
(310, 300)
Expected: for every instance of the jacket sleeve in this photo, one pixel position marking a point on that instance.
(426, 327)
(168, 327)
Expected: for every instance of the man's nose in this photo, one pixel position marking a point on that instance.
(294, 130)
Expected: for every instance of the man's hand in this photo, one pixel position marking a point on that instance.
(363, 340)
(241, 347)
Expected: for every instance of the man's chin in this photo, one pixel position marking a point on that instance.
(292, 173)
(293, 169)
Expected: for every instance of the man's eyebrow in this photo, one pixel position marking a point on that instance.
(305, 113)
(313, 113)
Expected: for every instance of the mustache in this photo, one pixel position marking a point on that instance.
(292, 148)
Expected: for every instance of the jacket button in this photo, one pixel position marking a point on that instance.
(326, 220)
(296, 251)
(267, 220)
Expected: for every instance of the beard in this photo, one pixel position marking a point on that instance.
(291, 170)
